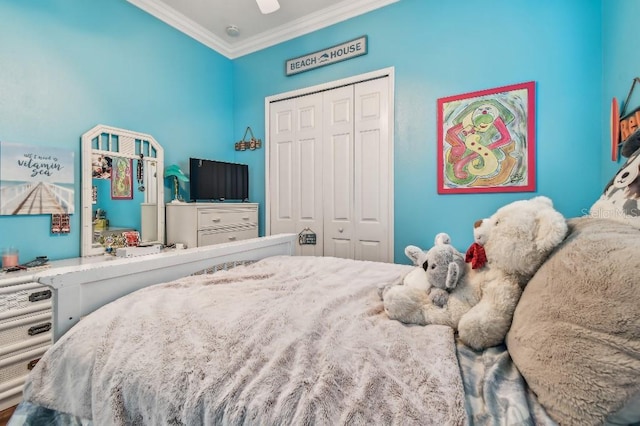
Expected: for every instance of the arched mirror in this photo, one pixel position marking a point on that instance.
(122, 188)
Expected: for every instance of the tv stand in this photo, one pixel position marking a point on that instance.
(202, 224)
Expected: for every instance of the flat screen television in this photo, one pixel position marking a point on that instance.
(211, 180)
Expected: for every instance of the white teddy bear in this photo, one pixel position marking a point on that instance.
(515, 241)
(438, 269)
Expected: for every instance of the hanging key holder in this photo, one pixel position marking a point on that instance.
(250, 144)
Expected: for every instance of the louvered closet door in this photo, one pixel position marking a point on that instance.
(372, 173)
(338, 173)
(296, 169)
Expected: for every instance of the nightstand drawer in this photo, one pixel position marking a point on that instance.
(213, 218)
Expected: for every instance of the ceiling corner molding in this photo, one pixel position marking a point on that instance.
(324, 18)
(341, 12)
(183, 24)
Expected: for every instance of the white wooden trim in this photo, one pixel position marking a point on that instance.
(82, 288)
(86, 219)
(323, 18)
(390, 72)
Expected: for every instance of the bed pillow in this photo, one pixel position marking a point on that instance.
(620, 199)
(575, 335)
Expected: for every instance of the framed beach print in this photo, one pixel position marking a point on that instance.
(36, 180)
(486, 141)
(121, 178)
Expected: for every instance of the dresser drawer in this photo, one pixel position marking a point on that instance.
(30, 296)
(24, 329)
(214, 218)
(14, 369)
(226, 235)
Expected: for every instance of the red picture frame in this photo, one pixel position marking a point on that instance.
(121, 178)
(486, 141)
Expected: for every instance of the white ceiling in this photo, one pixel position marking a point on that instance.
(207, 20)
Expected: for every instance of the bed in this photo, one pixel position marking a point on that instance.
(304, 340)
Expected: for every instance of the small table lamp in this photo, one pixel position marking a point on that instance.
(178, 175)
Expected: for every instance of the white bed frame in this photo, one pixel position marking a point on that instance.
(81, 289)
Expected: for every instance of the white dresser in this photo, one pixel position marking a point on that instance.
(28, 321)
(203, 224)
(25, 331)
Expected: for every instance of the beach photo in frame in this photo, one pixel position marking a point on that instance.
(121, 178)
(486, 141)
(36, 180)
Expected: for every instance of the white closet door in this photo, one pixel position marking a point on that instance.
(296, 169)
(338, 173)
(372, 171)
(330, 170)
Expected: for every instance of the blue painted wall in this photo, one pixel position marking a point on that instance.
(440, 49)
(68, 65)
(621, 64)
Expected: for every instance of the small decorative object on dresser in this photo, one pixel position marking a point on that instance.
(178, 175)
(203, 224)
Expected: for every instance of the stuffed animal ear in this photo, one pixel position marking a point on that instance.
(453, 274)
(542, 199)
(442, 238)
(551, 229)
(414, 253)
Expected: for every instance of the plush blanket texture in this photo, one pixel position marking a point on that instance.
(287, 340)
(575, 335)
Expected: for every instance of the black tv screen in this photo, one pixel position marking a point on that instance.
(218, 180)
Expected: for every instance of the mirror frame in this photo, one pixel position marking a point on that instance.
(126, 147)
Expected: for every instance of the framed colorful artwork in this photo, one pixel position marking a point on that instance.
(486, 141)
(121, 178)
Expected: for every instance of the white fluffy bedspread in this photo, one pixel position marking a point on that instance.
(287, 340)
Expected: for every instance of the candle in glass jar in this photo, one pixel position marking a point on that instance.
(9, 258)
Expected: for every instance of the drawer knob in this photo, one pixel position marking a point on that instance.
(245, 217)
(232, 238)
(340, 230)
(217, 219)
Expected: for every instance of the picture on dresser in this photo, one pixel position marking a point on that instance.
(121, 178)
(101, 166)
(36, 180)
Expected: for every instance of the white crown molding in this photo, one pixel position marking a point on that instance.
(324, 18)
(183, 24)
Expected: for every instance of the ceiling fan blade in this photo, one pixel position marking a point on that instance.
(268, 6)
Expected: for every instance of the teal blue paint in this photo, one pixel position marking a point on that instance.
(67, 65)
(440, 49)
(621, 65)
